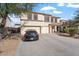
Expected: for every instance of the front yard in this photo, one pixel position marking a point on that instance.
(9, 46)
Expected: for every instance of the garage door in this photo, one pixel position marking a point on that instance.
(45, 30)
(23, 29)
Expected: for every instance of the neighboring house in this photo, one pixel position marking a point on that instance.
(42, 23)
(13, 24)
(63, 25)
(13, 21)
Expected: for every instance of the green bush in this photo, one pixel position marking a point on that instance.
(66, 30)
(72, 31)
(77, 31)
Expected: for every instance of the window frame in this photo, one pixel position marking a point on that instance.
(46, 19)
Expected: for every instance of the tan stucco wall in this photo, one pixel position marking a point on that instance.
(34, 23)
(44, 30)
(44, 25)
(58, 20)
(41, 17)
(24, 16)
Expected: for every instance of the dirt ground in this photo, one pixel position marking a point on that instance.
(9, 46)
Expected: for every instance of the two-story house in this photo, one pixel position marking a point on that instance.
(42, 23)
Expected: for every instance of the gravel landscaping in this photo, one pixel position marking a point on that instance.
(9, 46)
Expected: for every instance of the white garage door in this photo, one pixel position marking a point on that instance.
(44, 30)
(23, 29)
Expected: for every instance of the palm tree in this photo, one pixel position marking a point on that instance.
(13, 8)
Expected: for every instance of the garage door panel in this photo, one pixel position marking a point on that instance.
(23, 29)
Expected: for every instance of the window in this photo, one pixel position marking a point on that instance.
(35, 17)
(52, 19)
(46, 18)
(29, 16)
(55, 20)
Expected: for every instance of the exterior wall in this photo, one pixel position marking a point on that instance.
(53, 20)
(50, 29)
(44, 30)
(55, 29)
(58, 20)
(41, 17)
(12, 22)
(24, 16)
(34, 23)
(39, 25)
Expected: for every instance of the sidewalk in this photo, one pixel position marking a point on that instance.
(67, 35)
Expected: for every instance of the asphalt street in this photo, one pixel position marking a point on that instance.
(50, 45)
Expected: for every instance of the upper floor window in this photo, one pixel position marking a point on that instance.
(52, 19)
(46, 18)
(55, 20)
(35, 16)
(29, 15)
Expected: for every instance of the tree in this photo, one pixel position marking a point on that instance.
(13, 8)
(70, 23)
(76, 18)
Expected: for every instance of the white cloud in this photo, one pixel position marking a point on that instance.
(61, 4)
(57, 12)
(48, 8)
(73, 5)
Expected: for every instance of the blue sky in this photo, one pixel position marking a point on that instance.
(63, 10)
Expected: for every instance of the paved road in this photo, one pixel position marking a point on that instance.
(50, 45)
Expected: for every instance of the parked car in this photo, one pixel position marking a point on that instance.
(30, 35)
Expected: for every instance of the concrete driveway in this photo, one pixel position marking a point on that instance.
(50, 45)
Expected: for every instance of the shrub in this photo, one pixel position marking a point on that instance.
(72, 31)
(66, 30)
(77, 31)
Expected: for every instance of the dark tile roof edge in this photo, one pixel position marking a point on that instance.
(45, 14)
